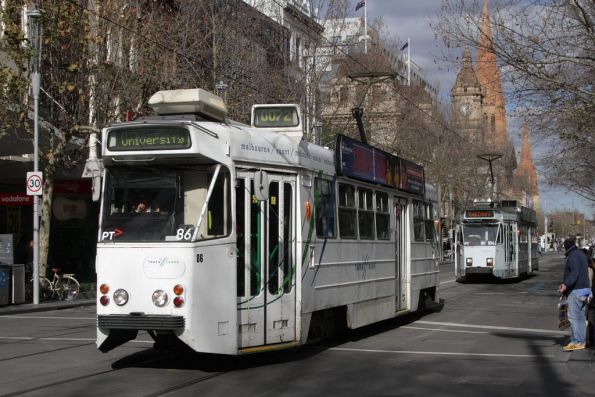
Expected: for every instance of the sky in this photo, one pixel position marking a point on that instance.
(411, 19)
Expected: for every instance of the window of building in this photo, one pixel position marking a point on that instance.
(347, 211)
(343, 95)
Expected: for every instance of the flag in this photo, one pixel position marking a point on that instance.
(360, 4)
(405, 46)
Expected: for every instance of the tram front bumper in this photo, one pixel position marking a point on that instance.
(479, 270)
(121, 328)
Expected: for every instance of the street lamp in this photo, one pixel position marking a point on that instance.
(34, 30)
(221, 88)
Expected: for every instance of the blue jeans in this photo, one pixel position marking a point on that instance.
(577, 317)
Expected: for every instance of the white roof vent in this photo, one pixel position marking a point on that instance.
(189, 101)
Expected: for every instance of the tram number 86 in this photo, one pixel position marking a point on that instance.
(184, 233)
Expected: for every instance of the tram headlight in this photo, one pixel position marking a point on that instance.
(469, 261)
(160, 298)
(120, 297)
(490, 262)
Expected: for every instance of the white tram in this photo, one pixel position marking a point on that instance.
(496, 238)
(236, 239)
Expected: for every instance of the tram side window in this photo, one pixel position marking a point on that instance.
(418, 221)
(429, 223)
(324, 208)
(365, 215)
(382, 216)
(347, 211)
(499, 239)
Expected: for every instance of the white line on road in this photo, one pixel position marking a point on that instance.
(495, 327)
(446, 330)
(47, 318)
(448, 281)
(64, 339)
(443, 353)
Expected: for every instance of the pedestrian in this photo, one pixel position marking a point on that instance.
(577, 290)
(591, 304)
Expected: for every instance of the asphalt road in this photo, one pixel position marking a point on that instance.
(490, 339)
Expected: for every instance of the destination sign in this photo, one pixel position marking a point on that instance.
(282, 116)
(358, 160)
(148, 138)
(479, 214)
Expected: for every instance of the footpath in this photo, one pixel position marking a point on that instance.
(84, 299)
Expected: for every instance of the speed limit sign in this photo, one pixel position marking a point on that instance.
(34, 183)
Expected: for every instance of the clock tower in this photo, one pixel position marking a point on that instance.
(467, 101)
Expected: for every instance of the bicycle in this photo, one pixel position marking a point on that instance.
(62, 286)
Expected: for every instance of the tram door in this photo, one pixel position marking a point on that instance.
(400, 214)
(266, 261)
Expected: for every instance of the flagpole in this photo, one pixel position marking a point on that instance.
(408, 62)
(366, 27)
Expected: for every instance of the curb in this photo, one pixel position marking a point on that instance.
(85, 299)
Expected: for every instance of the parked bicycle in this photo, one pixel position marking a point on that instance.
(62, 287)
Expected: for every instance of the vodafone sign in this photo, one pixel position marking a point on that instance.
(15, 199)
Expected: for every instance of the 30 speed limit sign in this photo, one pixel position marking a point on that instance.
(34, 183)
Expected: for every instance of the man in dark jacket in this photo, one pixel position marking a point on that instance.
(576, 287)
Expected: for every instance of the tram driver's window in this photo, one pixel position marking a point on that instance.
(324, 208)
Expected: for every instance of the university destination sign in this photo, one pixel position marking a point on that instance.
(148, 138)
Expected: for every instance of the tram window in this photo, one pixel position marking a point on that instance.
(274, 237)
(478, 235)
(365, 214)
(418, 221)
(347, 211)
(324, 208)
(382, 216)
(255, 253)
(240, 243)
(430, 231)
(288, 265)
(499, 239)
(172, 198)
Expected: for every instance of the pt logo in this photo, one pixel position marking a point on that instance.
(110, 235)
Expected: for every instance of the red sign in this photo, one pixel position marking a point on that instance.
(15, 199)
(73, 186)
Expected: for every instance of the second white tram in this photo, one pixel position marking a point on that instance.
(496, 238)
(249, 238)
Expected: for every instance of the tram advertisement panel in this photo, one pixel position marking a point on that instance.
(412, 177)
(358, 160)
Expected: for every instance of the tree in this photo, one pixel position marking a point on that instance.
(545, 50)
(102, 59)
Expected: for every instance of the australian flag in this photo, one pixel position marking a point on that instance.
(360, 4)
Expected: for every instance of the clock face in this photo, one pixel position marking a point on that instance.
(466, 109)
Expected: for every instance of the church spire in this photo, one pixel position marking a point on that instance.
(526, 175)
(488, 76)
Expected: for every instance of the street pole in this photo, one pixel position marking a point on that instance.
(34, 30)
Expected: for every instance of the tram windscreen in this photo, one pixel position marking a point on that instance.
(164, 203)
(477, 235)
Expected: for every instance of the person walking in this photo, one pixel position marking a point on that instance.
(577, 290)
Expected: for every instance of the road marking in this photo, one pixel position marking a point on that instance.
(495, 327)
(47, 318)
(442, 353)
(446, 330)
(64, 339)
(449, 281)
